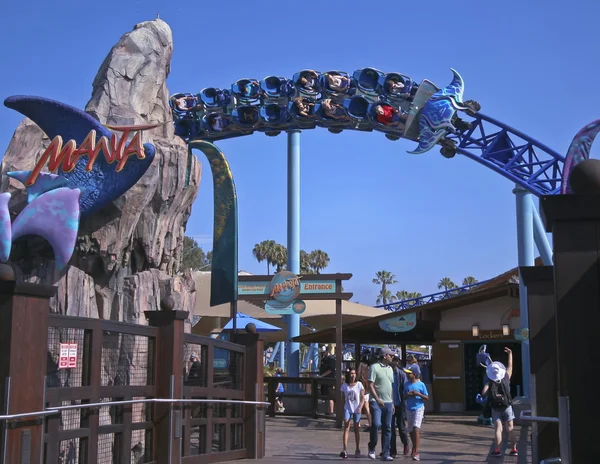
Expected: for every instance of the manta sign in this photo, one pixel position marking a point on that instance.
(79, 180)
(401, 323)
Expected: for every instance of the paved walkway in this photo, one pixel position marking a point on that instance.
(444, 440)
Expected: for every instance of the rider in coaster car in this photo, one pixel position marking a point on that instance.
(217, 123)
(304, 106)
(337, 83)
(394, 86)
(333, 110)
(308, 80)
(387, 114)
(185, 103)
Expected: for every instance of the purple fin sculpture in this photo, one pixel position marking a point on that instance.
(53, 215)
(579, 150)
(5, 228)
(44, 183)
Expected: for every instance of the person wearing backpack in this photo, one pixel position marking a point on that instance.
(497, 391)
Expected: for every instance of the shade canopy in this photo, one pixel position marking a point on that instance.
(242, 320)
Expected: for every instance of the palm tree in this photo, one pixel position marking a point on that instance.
(446, 283)
(386, 297)
(402, 295)
(319, 260)
(384, 278)
(305, 263)
(279, 257)
(263, 251)
(469, 281)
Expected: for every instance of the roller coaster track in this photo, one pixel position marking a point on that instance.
(512, 154)
(501, 148)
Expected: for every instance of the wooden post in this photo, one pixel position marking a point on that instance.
(574, 221)
(339, 401)
(24, 310)
(539, 281)
(254, 423)
(169, 381)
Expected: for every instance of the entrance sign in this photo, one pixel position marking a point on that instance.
(318, 286)
(275, 307)
(285, 287)
(286, 282)
(68, 356)
(402, 323)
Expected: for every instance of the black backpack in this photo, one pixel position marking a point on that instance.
(499, 394)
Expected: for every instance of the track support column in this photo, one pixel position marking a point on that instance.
(525, 244)
(293, 242)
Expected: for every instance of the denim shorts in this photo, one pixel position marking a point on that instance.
(354, 415)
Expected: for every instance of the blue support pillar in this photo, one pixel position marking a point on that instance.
(274, 353)
(316, 359)
(293, 242)
(541, 240)
(525, 244)
(282, 356)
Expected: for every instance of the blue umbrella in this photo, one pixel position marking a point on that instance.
(243, 319)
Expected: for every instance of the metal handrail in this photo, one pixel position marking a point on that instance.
(58, 409)
(529, 417)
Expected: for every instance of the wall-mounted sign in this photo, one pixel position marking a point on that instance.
(402, 323)
(491, 335)
(275, 307)
(521, 334)
(68, 356)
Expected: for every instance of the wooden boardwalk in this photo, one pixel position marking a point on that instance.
(445, 440)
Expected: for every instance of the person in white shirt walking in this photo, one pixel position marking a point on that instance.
(354, 392)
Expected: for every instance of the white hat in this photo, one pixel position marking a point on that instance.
(496, 371)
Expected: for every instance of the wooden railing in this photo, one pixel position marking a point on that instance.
(301, 395)
(145, 366)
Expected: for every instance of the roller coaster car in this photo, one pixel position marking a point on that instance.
(277, 88)
(215, 98)
(357, 107)
(394, 85)
(246, 117)
(214, 123)
(367, 80)
(294, 109)
(326, 120)
(246, 90)
(307, 83)
(398, 120)
(336, 83)
(274, 115)
(182, 103)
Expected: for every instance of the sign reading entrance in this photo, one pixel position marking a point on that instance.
(285, 284)
(68, 356)
(402, 323)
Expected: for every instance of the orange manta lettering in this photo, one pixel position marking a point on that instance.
(56, 155)
(289, 284)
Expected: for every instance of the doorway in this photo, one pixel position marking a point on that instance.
(474, 374)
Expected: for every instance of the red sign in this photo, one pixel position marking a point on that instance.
(113, 150)
(68, 356)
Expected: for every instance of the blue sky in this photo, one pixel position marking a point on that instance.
(365, 201)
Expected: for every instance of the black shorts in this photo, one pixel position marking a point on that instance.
(326, 390)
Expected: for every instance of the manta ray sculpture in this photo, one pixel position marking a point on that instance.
(436, 116)
(579, 150)
(57, 201)
(99, 186)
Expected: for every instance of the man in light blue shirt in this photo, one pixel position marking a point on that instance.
(381, 378)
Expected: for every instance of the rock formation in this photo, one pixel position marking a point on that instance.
(128, 255)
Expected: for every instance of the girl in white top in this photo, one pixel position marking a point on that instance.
(354, 392)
